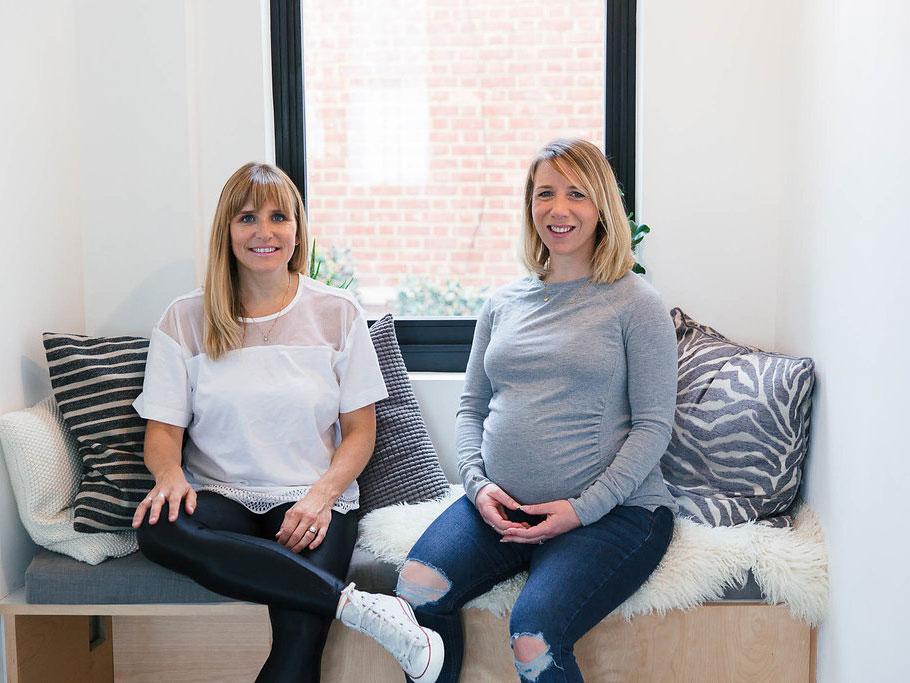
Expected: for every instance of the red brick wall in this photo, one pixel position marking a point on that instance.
(481, 85)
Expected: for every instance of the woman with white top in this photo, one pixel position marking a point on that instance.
(271, 377)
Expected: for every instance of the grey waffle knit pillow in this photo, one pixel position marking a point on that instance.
(404, 467)
(95, 381)
(741, 429)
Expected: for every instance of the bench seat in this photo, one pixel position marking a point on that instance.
(52, 578)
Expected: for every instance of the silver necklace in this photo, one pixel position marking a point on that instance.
(268, 334)
(547, 296)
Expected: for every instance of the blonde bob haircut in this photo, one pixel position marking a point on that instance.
(583, 163)
(255, 184)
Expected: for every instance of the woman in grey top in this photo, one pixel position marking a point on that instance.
(568, 406)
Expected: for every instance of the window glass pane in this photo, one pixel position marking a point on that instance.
(421, 117)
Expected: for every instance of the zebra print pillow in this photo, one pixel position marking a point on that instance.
(741, 429)
(95, 381)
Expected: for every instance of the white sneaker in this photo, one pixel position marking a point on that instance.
(390, 621)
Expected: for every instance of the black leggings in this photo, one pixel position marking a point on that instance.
(232, 551)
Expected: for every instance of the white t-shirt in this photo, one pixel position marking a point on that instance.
(262, 421)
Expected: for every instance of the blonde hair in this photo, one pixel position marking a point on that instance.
(255, 184)
(582, 161)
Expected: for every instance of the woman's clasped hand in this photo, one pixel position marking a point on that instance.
(492, 502)
(560, 518)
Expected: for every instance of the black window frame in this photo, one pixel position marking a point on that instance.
(434, 344)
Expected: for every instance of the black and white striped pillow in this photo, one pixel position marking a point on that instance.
(95, 381)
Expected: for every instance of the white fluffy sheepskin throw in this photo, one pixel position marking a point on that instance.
(790, 564)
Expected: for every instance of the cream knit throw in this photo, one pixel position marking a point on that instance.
(790, 565)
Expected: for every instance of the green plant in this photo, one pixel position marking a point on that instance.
(335, 270)
(638, 234)
(422, 296)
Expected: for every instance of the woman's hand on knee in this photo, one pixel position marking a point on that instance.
(561, 517)
(171, 487)
(305, 523)
(491, 502)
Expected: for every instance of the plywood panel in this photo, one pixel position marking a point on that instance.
(743, 642)
(9, 646)
(101, 665)
(184, 649)
(712, 643)
(353, 657)
(192, 649)
(48, 649)
(813, 655)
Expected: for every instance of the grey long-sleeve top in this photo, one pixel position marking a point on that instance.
(571, 398)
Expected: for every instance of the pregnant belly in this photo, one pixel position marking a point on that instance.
(536, 467)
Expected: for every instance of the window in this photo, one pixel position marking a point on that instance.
(408, 126)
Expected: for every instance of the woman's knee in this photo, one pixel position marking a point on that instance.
(531, 654)
(148, 535)
(422, 585)
(159, 540)
(533, 649)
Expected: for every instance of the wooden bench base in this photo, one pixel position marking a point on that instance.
(182, 643)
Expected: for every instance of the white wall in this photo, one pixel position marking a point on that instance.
(438, 394)
(41, 273)
(773, 161)
(120, 123)
(171, 103)
(842, 293)
(710, 150)
(137, 196)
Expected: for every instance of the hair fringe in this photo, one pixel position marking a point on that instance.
(256, 183)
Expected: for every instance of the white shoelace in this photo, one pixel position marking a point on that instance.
(374, 619)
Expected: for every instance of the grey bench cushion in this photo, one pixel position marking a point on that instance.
(60, 580)
(56, 579)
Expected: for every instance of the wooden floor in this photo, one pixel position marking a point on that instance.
(723, 642)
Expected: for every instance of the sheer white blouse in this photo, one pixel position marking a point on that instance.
(262, 421)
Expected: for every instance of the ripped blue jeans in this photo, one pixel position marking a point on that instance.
(575, 580)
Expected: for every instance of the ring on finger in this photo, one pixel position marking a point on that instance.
(161, 495)
(312, 530)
